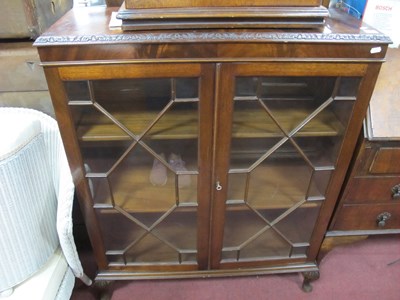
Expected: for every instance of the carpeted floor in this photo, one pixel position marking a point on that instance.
(366, 270)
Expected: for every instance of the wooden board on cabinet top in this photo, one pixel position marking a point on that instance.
(220, 3)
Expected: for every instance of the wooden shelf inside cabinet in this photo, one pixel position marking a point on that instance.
(184, 124)
(173, 125)
(133, 192)
(257, 124)
(277, 189)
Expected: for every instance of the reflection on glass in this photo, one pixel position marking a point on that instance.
(139, 145)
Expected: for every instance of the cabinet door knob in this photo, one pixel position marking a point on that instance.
(218, 186)
(396, 192)
(382, 218)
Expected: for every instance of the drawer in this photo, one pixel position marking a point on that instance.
(373, 190)
(377, 158)
(386, 161)
(365, 217)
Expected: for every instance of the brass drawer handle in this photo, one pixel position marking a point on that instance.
(396, 192)
(382, 218)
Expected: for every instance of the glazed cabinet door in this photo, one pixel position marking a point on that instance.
(281, 158)
(138, 138)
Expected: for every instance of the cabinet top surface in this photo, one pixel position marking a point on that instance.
(86, 26)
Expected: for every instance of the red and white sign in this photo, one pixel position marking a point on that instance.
(384, 15)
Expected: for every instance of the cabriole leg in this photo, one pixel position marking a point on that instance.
(103, 289)
(308, 278)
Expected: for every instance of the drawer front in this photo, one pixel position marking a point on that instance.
(374, 190)
(386, 161)
(368, 217)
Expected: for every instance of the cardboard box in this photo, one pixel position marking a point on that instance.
(30, 18)
(22, 80)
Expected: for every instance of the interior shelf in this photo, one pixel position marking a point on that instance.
(184, 124)
(132, 190)
(173, 125)
(283, 185)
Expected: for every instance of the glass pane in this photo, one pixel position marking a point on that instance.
(267, 244)
(100, 191)
(237, 186)
(248, 235)
(175, 135)
(291, 100)
(349, 86)
(282, 179)
(251, 119)
(93, 125)
(299, 251)
(321, 152)
(134, 103)
(141, 183)
(119, 231)
(323, 145)
(246, 86)
(100, 157)
(139, 144)
(298, 225)
(151, 250)
(187, 88)
(287, 88)
(319, 183)
(179, 229)
(77, 90)
(287, 134)
(247, 152)
(241, 223)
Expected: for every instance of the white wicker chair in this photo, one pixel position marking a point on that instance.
(38, 257)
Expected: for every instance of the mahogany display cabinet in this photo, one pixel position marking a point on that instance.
(208, 152)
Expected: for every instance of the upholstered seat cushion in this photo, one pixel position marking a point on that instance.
(45, 283)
